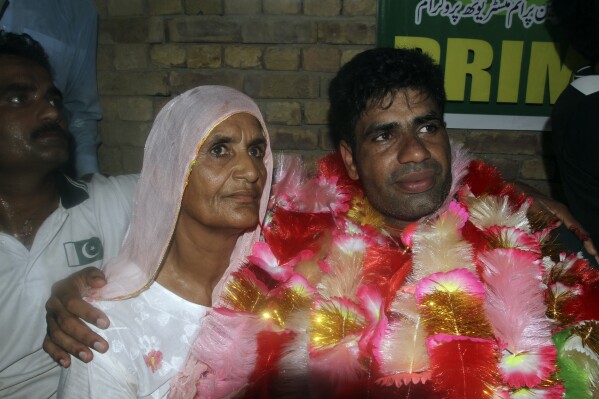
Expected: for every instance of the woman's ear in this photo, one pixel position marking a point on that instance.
(348, 160)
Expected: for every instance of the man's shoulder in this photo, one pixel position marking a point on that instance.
(108, 186)
(100, 180)
(587, 85)
(110, 199)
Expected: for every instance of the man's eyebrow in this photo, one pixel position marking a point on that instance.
(29, 88)
(17, 88)
(431, 116)
(380, 127)
(386, 126)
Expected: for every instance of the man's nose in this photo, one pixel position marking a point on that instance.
(412, 149)
(50, 111)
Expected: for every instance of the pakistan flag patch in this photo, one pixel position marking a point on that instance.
(83, 252)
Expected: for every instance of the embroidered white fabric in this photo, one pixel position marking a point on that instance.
(149, 337)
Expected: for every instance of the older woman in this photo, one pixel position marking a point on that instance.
(197, 207)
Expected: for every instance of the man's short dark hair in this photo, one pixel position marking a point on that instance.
(579, 19)
(371, 77)
(25, 46)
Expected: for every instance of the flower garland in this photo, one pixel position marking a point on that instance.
(465, 304)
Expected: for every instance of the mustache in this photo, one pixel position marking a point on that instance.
(52, 127)
(427, 164)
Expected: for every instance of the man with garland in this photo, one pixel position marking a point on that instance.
(401, 269)
(428, 281)
(50, 225)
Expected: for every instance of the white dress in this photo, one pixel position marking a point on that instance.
(149, 337)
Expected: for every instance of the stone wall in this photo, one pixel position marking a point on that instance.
(282, 53)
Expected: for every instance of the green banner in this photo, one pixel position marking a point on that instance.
(505, 61)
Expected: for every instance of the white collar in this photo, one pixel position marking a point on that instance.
(587, 84)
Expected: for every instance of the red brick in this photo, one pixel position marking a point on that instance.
(277, 29)
(283, 113)
(325, 142)
(204, 29)
(132, 159)
(104, 57)
(135, 109)
(168, 55)
(203, 7)
(282, 6)
(130, 56)
(125, 8)
(165, 7)
(243, 7)
(125, 133)
(204, 56)
(181, 81)
(109, 159)
(322, 8)
(316, 112)
(294, 138)
(131, 30)
(133, 83)
(347, 32)
(243, 57)
(321, 59)
(282, 58)
(281, 85)
(359, 8)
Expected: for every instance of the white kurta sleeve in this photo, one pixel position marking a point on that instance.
(102, 378)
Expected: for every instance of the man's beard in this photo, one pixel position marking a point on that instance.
(419, 205)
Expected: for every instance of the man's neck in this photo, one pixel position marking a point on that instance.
(26, 200)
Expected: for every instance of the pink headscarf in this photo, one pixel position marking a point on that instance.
(178, 132)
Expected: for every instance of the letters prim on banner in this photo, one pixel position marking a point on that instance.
(505, 62)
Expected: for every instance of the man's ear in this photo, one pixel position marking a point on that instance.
(348, 160)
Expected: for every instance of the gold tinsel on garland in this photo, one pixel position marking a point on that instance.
(549, 246)
(363, 213)
(540, 220)
(243, 295)
(454, 313)
(332, 322)
(500, 240)
(588, 331)
(560, 274)
(555, 306)
(289, 301)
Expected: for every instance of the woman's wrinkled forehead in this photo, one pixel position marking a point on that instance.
(214, 129)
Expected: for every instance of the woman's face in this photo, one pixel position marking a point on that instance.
(225, 185)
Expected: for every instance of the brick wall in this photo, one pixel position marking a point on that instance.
(282, 53)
